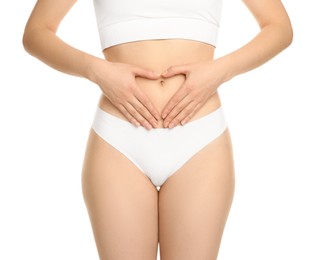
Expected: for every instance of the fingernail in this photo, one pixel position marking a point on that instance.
(183, 121)
(155, 124)
(149, 126)
(158, 74)
(171, 125)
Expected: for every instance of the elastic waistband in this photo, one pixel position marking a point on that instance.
(215, 119)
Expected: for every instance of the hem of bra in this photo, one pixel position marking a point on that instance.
(158, 28)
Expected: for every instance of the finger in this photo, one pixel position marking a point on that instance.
(137, 116)
(129, 117)
(177, 110)
(187, 116)
(145, 73)
(143, 111)
(142, 97)
(175, 70)
(176, 98)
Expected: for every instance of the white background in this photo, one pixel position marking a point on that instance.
(274, 115)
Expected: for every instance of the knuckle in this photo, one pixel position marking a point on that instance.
(197, 106)
(124, 94)
(119, 101)
(173, 102)
(128, 115)
(144, 99)
(170, 118)
(147, 102)
(143, 111)
(135, 113)
(189, 87)
(150, 118)
(179, 107)
(139, 109)
(129, 95)
(175, 112)
(132, 112)
(122, 109)
(143, 121)
(188, 110)
(130, 87)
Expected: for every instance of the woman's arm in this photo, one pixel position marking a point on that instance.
(116, 80)
(40, 40)
(203, 78)
(276, 34)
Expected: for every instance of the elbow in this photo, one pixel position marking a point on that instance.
(27, 41)
(283, 35)
(288, 35)
(30, 39)
(281, 32)
(35, 39)
(287, 32)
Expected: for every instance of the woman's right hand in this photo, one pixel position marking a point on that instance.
(118, 84)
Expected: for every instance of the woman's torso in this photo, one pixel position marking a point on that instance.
(158, 55)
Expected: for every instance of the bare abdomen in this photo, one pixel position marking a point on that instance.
(158, 55)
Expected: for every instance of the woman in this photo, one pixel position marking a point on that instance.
(158, 165)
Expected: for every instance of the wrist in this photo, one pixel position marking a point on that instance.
(94, 68)
(224, 68)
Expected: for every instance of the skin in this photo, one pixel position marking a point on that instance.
(157, 83)
(41, 41)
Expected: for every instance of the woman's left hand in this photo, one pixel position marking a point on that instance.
(202, 80)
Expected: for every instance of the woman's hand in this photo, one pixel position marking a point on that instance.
(117, 82)
(202, 80)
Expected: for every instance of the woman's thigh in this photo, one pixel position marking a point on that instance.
(122, 203)
(195, 201)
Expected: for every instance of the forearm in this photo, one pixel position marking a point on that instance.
(50, 49)
(271, 40)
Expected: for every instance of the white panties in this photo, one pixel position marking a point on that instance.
(159, 152)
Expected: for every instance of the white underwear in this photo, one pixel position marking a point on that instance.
(159, 152)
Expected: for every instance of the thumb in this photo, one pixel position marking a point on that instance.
(175, 70)
(145, 73)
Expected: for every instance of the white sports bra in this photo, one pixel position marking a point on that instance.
(121, 21)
